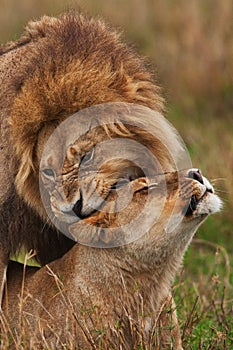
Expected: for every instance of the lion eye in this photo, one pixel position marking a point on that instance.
(120, 183)
(48, 172)
(88, 156)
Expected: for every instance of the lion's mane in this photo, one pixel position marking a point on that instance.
(58, 67)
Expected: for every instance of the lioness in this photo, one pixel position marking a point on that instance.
(112, 297)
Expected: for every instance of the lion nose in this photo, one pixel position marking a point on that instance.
(196, 175)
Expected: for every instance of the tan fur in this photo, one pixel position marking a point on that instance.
(119, 290)
(58, 66)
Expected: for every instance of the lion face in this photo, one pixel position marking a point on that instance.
(193, 188)
(88, 175)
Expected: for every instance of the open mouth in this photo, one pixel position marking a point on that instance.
(81, 211)
(76, 211)
(194, 201)
(77, 208)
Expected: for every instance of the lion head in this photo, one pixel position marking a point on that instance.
(75, 62)
(100, 149)
(150, 209)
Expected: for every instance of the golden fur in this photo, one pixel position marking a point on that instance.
(119, 291)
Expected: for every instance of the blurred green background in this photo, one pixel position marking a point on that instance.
(190, 46)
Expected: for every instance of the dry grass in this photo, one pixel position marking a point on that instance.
(82, 319)
(206, 322)
(191, 44)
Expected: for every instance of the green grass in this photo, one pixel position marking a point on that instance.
(203, 292)
(205, 317)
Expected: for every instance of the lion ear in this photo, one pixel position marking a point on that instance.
(71, 152)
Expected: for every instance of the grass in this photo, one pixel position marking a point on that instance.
(203, 296)
(190, 43)
(205, 314)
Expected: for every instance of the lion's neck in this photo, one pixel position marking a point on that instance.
(135, 270)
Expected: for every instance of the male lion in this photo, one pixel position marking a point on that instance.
(58, 67)
(112, 298)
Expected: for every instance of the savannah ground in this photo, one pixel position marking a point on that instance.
(190, 45)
